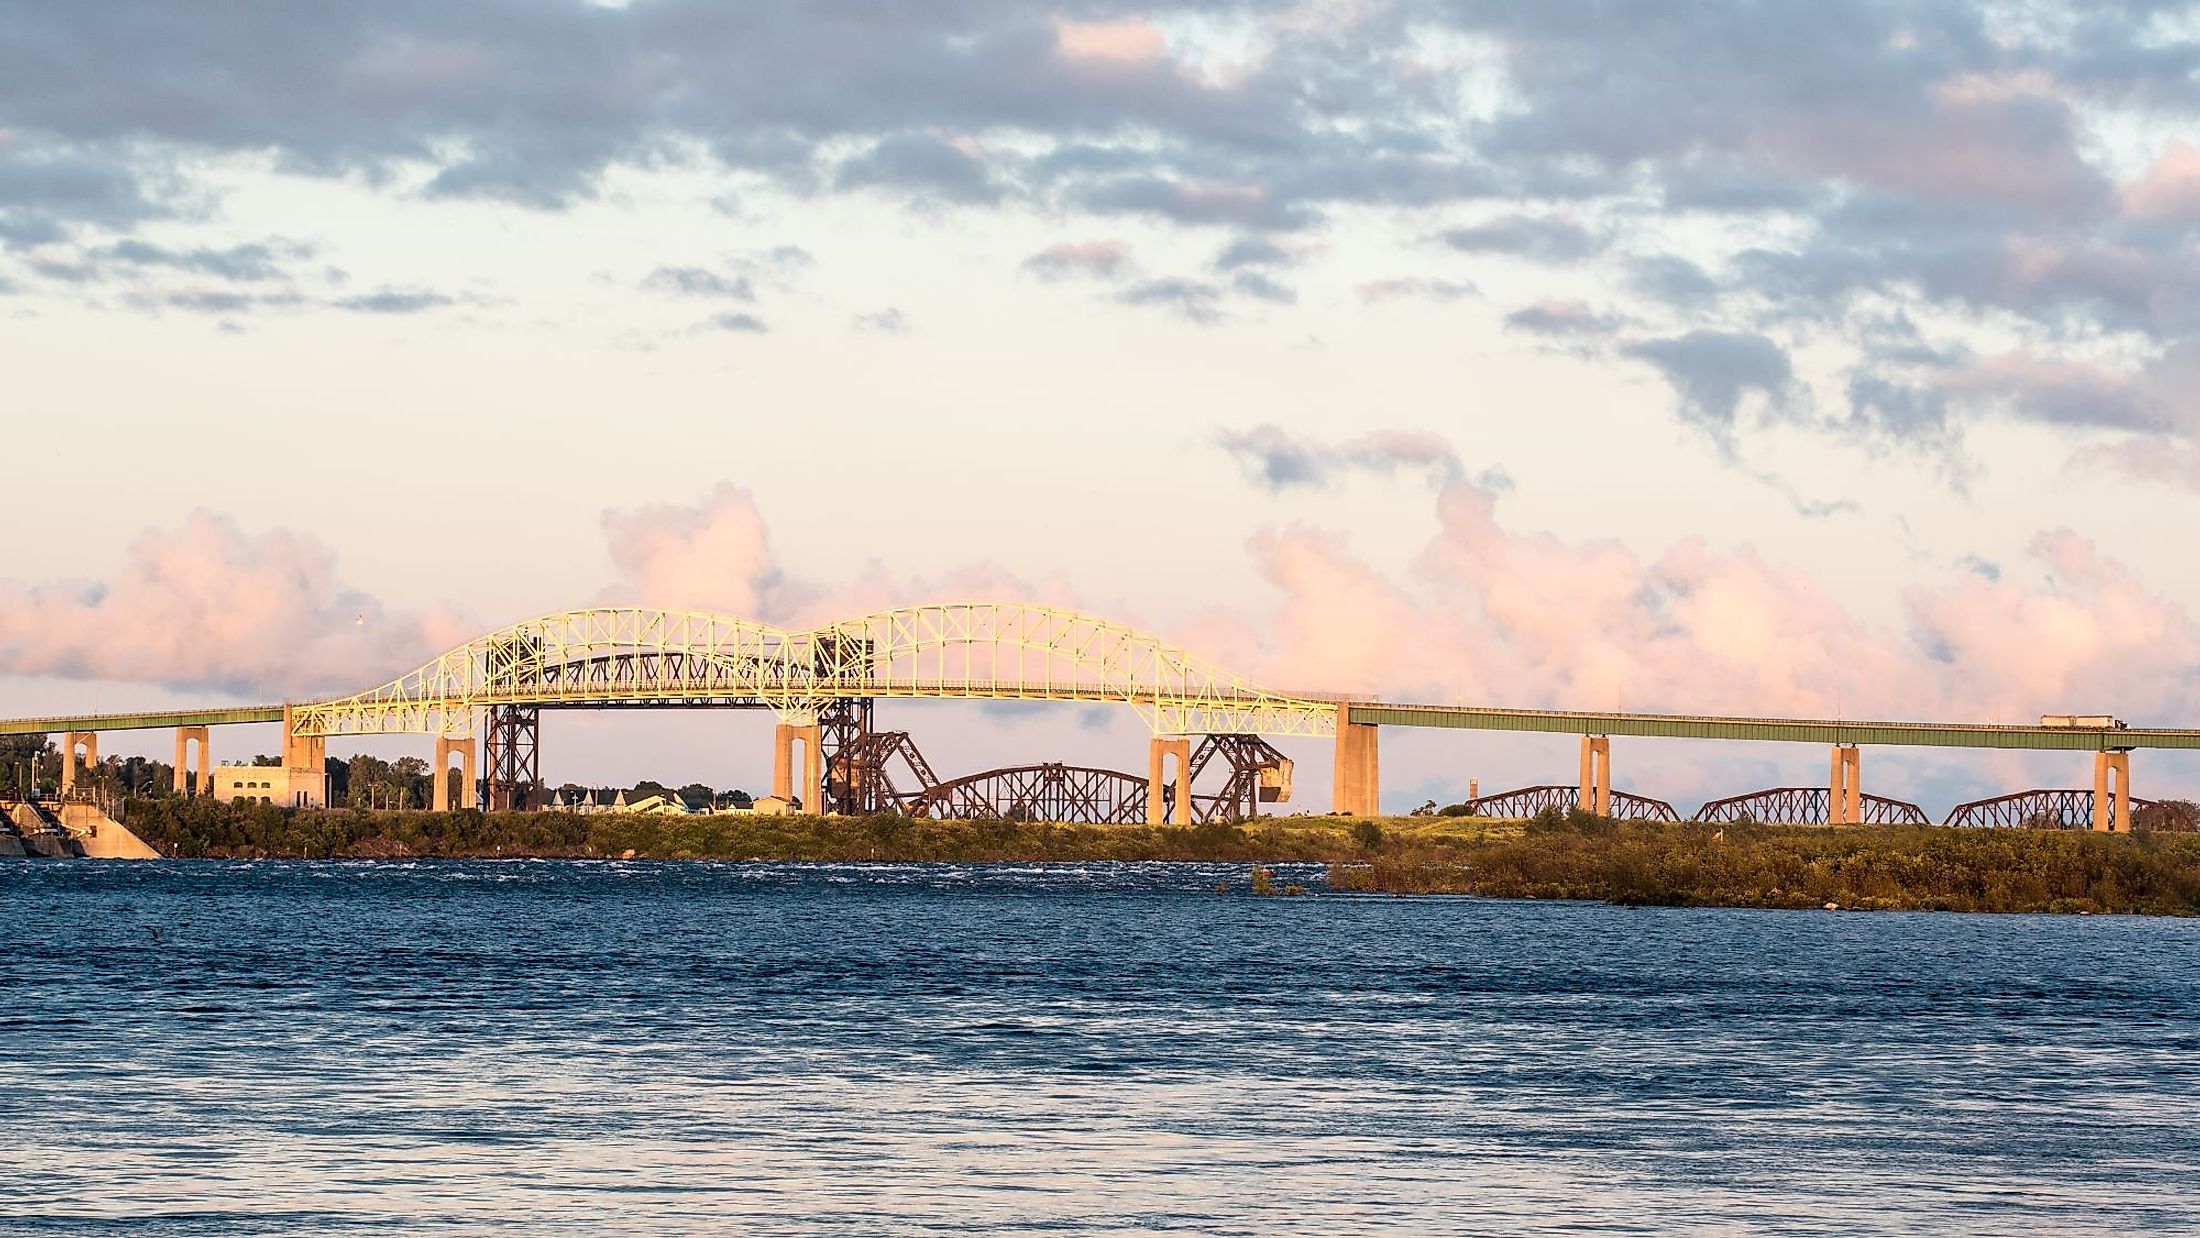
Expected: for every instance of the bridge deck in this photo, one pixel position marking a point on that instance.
(1792, 730)
(142, 720)
(1455, 717)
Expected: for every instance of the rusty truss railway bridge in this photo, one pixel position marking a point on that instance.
(821, 685)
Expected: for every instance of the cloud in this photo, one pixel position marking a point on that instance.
(2171, 188)
(1416, 287)
(743, 324)
(1194, 202)
(1260, 287)
(1822, 160)
(395, 301)
(1711, 371)
(1671, 280)
(1100, 259)
(1555, 317)
(1488, 615)
(1134, 42)
(923, 166)
(1254, 251)
(207, 605)
(1194, 299)
(700, 282)
(254, 262)
(888, 321)
(713, 554)
(1278, 460)
(1541, 237)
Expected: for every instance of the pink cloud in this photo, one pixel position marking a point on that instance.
(1126, 42)
(206, 604)
(2171, 188)
(710, 555)
(1498, 617)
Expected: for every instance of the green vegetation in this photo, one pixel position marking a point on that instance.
(1567, 856)
(1916, 868)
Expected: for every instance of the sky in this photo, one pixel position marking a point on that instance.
(1828, 359)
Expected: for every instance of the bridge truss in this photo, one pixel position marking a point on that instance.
(1808, 806)
(2038, 809)
(1526, 803)
(613, 656)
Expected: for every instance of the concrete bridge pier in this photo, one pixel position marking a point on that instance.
(185, 737)
(784, 738)
(305, 764)
(1158, 803)
(1358, 786)
(465, 748)
(2112, 807)
(1845, 786)
(1596, 775)
(70, 742)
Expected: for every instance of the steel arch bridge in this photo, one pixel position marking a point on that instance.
(1527, 802)
(1808, 806)
(611, 656)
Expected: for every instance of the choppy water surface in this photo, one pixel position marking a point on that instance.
(761, 1048)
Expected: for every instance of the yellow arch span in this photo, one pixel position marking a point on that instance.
(968, 650)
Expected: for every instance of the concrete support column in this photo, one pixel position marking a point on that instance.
(1358, 786)
(1596, 775)
(185, 737)
(2112, 791)
(305, 758)
(70, 742)
(1845, 786)
(784, 738)
(1157, 778)
(465, 748)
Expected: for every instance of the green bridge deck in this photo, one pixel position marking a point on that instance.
(1455, 717)
(143, 720)
(1792, 730)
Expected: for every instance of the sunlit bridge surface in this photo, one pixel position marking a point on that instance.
(776, 1048)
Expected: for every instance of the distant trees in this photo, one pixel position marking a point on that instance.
(27, 761)
(375, 783)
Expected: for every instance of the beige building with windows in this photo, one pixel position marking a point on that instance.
(262, 784)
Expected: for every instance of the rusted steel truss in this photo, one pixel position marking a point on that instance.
(1049, 792)
(2039, 809)
(514, 759)
(861, 773)
(1255, 774)
(1528, 802)
(1807, 806)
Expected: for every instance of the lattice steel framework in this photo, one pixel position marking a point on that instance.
(983, 650)
(2039, 809)
(1254, 773)
(1528, 802)
(860, 763)
(1049, 792)
(514, 764)
(1807, 806)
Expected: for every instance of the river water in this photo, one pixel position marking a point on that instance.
(766, 1048)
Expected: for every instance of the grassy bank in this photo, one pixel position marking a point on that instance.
(1916, 868)
(1686, 864)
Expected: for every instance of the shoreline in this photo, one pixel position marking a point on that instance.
(1558, 856)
